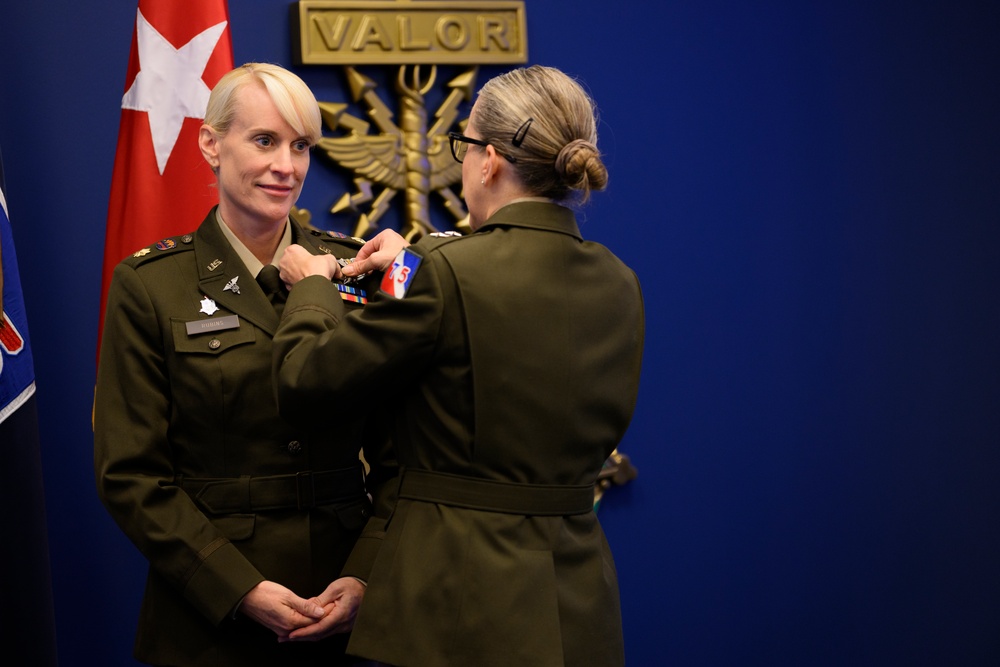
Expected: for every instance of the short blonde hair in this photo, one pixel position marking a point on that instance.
(290, 94)
(545, 121)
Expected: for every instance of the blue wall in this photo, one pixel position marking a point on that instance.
(810, 193)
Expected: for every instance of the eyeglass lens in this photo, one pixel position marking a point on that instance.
(459, 149)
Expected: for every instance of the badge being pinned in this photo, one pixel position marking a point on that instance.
(398, 278)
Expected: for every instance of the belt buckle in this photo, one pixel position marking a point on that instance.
(305, 484)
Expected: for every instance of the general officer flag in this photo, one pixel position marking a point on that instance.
(27, 618)
(161, 186)
(17, 372)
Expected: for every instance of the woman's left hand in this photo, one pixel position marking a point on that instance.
(297, 263)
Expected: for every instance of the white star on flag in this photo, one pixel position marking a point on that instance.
(168, 85)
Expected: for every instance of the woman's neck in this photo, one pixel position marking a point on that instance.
(261, 239)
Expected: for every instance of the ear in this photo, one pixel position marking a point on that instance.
(491, 164)
(208, 142)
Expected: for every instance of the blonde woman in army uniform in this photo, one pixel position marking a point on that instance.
(241, 516)
(509, 362)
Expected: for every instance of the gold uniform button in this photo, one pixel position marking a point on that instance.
(294, 448)
(215, 344)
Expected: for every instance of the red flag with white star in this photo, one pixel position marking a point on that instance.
(161, 185)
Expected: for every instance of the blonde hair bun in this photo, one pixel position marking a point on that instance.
(555, 154)
(579, 165)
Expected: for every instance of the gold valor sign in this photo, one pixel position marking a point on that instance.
(409, 157)
(411, 32)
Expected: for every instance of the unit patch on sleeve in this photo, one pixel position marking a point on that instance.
(398, 278)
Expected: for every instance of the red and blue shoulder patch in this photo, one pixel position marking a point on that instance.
(399, 277)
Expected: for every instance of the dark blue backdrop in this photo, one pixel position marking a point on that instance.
(809, 193)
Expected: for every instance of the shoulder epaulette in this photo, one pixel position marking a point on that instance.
(162, 248)
(338, 237)
(323, 239)
(436, 240)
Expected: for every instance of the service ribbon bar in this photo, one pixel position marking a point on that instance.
(354, 294)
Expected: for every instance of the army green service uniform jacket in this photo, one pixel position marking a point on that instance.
(509, 363)
(197, 468)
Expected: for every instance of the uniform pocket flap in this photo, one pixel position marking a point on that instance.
(210, 342)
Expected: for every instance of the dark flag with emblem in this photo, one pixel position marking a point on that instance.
(27, 620)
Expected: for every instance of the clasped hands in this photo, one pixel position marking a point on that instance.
(376, 255)
(293, 618)
(333, 611)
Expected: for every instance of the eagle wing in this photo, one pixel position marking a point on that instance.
(379, 157)
(445, 169)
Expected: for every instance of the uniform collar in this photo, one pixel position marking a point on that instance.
(535, 213)
(225, 277)
(252, 263)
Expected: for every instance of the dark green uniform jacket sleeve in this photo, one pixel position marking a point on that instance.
(134, 463)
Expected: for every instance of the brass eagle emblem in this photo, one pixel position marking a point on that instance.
(409, 157)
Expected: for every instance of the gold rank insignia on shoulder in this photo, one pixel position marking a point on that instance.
(345, 237)
(141, 253)
(446, 234)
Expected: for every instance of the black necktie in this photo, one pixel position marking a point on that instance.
(269, 280)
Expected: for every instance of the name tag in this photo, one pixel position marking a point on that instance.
(214, 324)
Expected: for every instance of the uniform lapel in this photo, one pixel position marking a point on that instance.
(218, 266)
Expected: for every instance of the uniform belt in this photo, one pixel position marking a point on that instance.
(301, 490)
(491, 496)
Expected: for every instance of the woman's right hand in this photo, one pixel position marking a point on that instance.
(276, 607)
(377, 254)
(297, 263)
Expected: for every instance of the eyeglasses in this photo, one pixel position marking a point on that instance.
(460, 146)
(460, 142)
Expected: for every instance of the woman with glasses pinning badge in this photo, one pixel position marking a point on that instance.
(507, 362)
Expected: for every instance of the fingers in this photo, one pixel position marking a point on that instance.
(292, 255)
(341, 601)
(328, 625)
(338, 619)
(377, 254)
(297, 263)
(307, 608)
(279, 609)
(291, 264)
(359, 267)
(334, 267)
